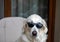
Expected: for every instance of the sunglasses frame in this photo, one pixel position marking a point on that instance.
(31, 24)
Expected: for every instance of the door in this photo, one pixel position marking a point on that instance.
(24, 8)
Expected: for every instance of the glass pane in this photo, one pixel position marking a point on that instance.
(1, 9)
(24, 8)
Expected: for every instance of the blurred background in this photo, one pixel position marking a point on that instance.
(24, 8)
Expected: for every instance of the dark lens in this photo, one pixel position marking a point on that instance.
(30, 24)
(39, 25)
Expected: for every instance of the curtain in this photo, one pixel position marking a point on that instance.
(24, 8)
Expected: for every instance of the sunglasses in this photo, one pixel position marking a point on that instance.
(38, 25)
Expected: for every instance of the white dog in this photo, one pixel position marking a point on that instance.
(35, 29)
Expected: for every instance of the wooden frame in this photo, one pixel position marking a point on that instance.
(7, 8)
(52, 3)
(52, 6)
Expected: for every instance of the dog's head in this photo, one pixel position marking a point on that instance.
(35, 26)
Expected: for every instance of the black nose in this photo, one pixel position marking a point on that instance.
(34, 33)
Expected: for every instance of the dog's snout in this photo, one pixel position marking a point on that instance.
(34, 33)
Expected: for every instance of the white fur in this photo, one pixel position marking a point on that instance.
(41, 34)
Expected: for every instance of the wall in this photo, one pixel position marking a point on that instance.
(57, 22)
(1, 8)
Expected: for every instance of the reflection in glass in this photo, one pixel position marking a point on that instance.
(24, 8)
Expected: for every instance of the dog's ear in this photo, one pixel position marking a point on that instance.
(24, 26)
(45, 26)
